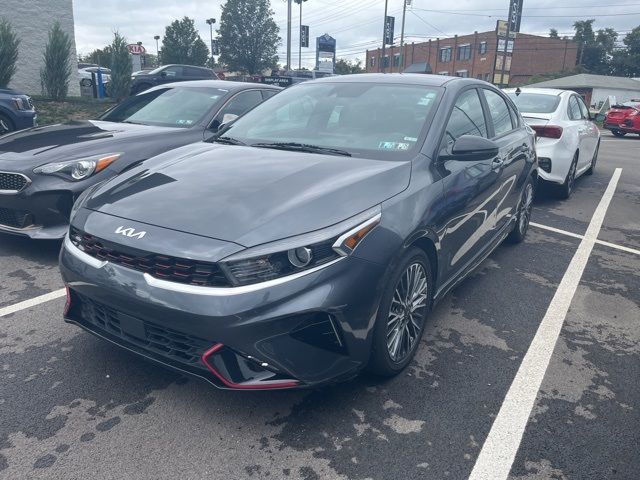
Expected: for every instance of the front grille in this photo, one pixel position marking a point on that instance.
(181, 270)
(166, 342)
(15, 218)
(12, 182)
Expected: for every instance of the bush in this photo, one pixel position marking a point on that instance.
(120, 68)
(57, 66)
(8, 52)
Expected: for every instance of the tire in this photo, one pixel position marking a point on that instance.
(6, 125)
(523, 217)
(395, 344)
(618, 133)
(567, 187)
(594, 160)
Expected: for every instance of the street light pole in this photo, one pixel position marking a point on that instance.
(156, 38)
(210, 22)
(288, 34)
(300, 42)
(384, 34)
(404, 13)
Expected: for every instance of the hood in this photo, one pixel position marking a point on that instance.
(30, 148)
(249, 195)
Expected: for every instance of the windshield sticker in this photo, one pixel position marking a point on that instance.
(410, 139)
(393, 146)
(184, 122)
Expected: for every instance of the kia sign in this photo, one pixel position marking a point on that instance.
(135, 49)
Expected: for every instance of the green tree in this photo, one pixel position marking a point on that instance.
(626, 61)
(182, 44)
(100, 56)
(8, 52)
(553, 33)
(55, 73)
(595, 50)
(248, 36)
(120, 68)
(347, 67)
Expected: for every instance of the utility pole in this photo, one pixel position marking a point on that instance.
(404, 13)
(288, 34)
(384, 34)
(300, 36)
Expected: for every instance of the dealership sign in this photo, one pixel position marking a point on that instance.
(135, 49)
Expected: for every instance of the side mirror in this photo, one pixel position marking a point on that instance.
(163, 73)
(469, 148)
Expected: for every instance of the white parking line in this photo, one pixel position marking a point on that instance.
(576, 235)
(32, 302)
(499, 450)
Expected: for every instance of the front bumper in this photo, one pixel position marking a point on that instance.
(307, 331)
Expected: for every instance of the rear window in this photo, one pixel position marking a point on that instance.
(535, 102)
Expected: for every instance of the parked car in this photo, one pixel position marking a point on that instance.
(169, 74)
(43, 170)
(144, 71)
(568, 139)
(86, 77)
(311, 237)
(624, 118)
(16, 111)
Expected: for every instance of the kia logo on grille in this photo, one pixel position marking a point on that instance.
(130, 232)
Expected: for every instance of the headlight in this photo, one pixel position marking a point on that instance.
(21, 103)
(292, 256)
(78, 169)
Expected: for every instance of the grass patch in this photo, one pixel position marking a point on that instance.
(73, 108)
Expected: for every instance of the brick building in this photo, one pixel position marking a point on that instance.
(475, 56)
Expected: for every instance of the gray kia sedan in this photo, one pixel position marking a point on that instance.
(311, 237)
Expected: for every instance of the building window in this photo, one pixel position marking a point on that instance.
(462, 73)
(464, 52)
(445, 54)
(372, 61)
(482, 48)
(443, 73)
(396, 60)
(385, 61)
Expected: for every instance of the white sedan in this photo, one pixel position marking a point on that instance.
(568, 140)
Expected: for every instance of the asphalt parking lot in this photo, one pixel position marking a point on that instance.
(535, 358)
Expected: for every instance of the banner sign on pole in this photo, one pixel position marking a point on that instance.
(304, 36)
(388, 30)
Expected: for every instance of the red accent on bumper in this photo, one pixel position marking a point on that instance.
(67, 303)
(239, 386)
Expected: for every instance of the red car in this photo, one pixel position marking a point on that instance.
(624, 118)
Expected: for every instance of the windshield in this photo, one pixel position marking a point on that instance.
(156, 70)
(167, 107)
(535, 102)
(372, 120)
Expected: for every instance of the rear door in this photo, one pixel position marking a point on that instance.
(511, 167)
(591, 134)
(469, 186)
(577, 120)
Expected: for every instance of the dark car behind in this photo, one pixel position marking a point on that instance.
(43, 170)
(16, 111)
(169, 74)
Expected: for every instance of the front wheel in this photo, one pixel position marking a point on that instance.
(618, 133)
(524, 214)
(6, 125)
(402, 314)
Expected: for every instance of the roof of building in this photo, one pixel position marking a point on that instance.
(587, 80)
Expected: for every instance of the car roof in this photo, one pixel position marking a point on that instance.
(539, 91)
(399, 78)
(223, 84)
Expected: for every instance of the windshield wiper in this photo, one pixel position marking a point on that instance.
(302, 147)
(133, 123)
(228, 141)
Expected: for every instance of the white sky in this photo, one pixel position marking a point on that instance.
(355, 24)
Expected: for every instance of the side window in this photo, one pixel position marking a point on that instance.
(574, 109)
(193, 72)
(240, 104)
(268, 93)
(583, 108)
(499, 112)
(173, 71)
(467, 118)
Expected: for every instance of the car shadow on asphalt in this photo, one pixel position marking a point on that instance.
(42, 251)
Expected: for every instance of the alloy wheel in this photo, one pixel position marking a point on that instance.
(406, 315)
(525, 208)
(4, 126)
